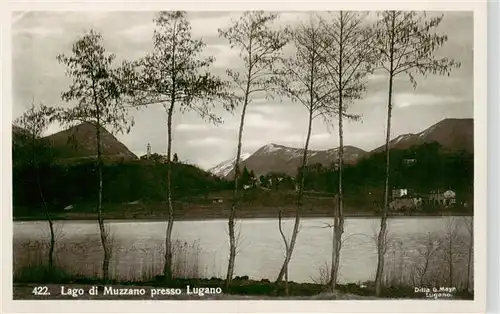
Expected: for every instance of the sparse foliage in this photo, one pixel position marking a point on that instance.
(96, 93)
(259, 47)
(35, 121)
(304, 79)
(469, 225)
(406, 43)
(177, 77)
(425, 254)
(449, 244)
(348, 58)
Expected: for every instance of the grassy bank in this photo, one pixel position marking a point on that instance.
(213, 216)
(202, 211)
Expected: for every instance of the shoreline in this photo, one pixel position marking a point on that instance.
(153, 218)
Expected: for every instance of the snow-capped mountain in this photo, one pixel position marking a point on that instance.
(278, 158)
(225, 167)
(452, 134)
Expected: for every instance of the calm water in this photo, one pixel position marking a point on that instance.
(138, 245)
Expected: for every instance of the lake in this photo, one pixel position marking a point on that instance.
(202, 246)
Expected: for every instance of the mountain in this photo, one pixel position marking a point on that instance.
(451, 134)
(225, 167)
(79, 142)
(279, 158)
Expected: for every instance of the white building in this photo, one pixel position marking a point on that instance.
(397, 193)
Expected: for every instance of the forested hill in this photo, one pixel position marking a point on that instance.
(420, 168)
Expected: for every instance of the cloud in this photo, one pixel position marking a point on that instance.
(265, 109)
(40, 36)
(206, 141)
(191, 127)
(321, 136)
(293, 139)
(256, 120)
(138, 33)
(260, 100)
(299, 139)
(403, 100)
(378, 76)
(374, 98)
(38, 31)
(208, 26)
(224, 56)
(286, 18)
(408, 99)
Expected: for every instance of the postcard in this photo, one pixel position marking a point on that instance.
(222, 157)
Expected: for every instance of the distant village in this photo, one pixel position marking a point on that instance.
(403, 200)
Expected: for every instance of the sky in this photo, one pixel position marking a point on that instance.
(38, 37)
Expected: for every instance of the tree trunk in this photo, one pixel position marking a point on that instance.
(52, 243)
(51, 226)
(103, 232)
(234, 205)
(46, 208)
(298, 212)
(428, 254)
(338, 223)
(286, 251)
(382, 236)
(167, 268)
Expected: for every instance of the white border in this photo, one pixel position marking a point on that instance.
(396, 306)
(493, 157)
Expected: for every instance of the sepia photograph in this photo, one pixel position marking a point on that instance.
(245, 155)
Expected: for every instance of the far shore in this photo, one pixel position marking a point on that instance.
(242, 215)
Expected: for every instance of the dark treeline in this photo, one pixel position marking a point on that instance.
(144, 180)
(421, 169)
(71, 184)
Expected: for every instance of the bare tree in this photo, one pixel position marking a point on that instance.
(97, 93)
(469, 224)
(449, 246)
(303, 78)
(36, 121)
(177, 77)
(425, 252)
(260, 47)
(348, 57)
(406, 44)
